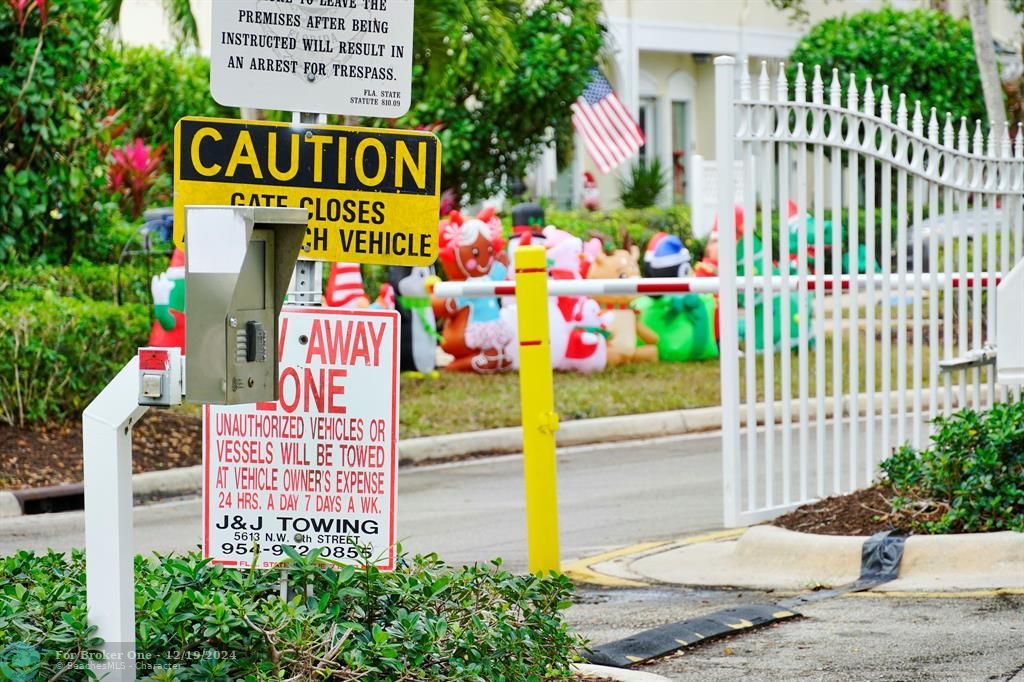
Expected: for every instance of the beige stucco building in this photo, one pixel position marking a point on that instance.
(661, 55)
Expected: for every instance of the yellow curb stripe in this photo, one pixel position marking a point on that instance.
(581, 570)
(965, 594)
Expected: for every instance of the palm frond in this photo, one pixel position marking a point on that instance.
(182, 20)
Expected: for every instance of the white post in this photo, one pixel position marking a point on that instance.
(109, 570)
(696, 198)
(724, 155)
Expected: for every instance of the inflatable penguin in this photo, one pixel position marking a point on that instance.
(419, 327)
(684, 324)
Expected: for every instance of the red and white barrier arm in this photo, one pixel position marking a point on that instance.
(701, 285)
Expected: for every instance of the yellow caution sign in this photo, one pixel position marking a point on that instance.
(373, 195)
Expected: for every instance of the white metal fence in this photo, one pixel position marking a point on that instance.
(931, 214)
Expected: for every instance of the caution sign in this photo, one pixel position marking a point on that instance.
(373, 195)
(316, 469)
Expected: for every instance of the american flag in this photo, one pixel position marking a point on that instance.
(609, 132)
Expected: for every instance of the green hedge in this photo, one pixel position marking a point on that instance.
(199, 621)
(641, 224)
(57, 353)
(83, 281)
(970, 479)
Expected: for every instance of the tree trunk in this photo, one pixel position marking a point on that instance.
(984, 52)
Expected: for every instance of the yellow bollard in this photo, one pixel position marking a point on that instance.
(540, 421)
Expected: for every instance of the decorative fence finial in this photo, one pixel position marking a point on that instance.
(962, 138)
(851, 94)
(901, 112)
(886, 105)
(818, 86)
(782, 84)
(918, 120)
(834, 93)
(800, 86)
(977, 149)
(1004, 143)
(1018, 143)
(948, 136)
(933, 128)
(869, 97)
(745, 80)
(763, 82)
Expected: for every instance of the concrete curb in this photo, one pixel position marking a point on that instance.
(575, 432)
(619, 674)
(9, 505)
(766, 557)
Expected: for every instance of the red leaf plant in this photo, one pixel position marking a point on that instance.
(22, 8)
(132, 172)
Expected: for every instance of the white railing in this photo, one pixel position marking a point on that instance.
(931, 200)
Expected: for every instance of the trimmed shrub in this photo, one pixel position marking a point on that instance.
(971, 477)
(199, 621)
(96, 281)
(639, 224)
(57, 353)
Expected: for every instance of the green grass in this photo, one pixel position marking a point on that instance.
(457, 402)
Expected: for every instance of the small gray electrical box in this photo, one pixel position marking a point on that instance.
(238, 264)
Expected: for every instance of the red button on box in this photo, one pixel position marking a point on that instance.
(154, 358)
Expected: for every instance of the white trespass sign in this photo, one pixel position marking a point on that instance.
(316, 469)
(351, 57)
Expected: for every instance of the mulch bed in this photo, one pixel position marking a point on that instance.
(53, 456)
(864, 512)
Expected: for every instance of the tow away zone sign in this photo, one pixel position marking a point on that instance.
(373, 195)
(316, 469)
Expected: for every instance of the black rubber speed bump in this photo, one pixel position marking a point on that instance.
(666, 639)
(881, 556)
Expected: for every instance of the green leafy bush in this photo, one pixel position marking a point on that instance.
(972, 473)
(57, 353)
(96, 281)
(645, 182)
(496, 77)
(52, 102)
(639, 224)
(925, 54)
(199, 621)
(154, 88)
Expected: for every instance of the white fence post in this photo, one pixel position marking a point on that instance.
(697, 201)
(724, 154)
